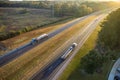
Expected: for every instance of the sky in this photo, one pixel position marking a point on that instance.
(63, 0)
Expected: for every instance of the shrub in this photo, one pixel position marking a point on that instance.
(91, 62)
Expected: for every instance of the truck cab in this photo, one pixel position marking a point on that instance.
(33, 41)
(74, 45)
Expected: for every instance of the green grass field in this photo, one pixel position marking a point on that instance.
(73, 71)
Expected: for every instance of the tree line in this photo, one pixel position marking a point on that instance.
(77, 9)
(72, 9)
(110, 34)
(108, 44)
(62, 8)
(25, 4)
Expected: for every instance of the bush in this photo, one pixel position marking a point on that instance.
(112, 55)
(92, 61)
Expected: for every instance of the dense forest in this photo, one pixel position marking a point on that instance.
(108, 44)
(110, 33)
(58, 9)
(78, 9)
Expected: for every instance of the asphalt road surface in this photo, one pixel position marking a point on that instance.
(4, 59)
(83, 37)
(56, 67)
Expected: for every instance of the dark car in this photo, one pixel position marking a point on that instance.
(116, 78)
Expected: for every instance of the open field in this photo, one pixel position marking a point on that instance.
(73, 71)
(14, 19)
(34, 59)
(22, 39)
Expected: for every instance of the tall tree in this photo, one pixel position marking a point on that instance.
(110, 34)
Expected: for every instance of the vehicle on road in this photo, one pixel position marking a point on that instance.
(117, 78)
(38, 39)
(57, 62)
(66, 54)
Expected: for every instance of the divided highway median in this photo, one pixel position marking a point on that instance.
(72, 72)
(33, 60)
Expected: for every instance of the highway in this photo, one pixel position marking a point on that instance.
(53, 70)
(80, 40)
(4, 59)
(7, 57)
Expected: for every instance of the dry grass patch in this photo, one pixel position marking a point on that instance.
(27, 64)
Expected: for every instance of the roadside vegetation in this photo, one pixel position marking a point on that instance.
(108, 44)
(98, 60)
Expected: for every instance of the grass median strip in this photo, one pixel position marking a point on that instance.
(26, 64)
(70, 72)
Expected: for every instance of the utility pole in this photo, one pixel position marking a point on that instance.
(52, 8)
